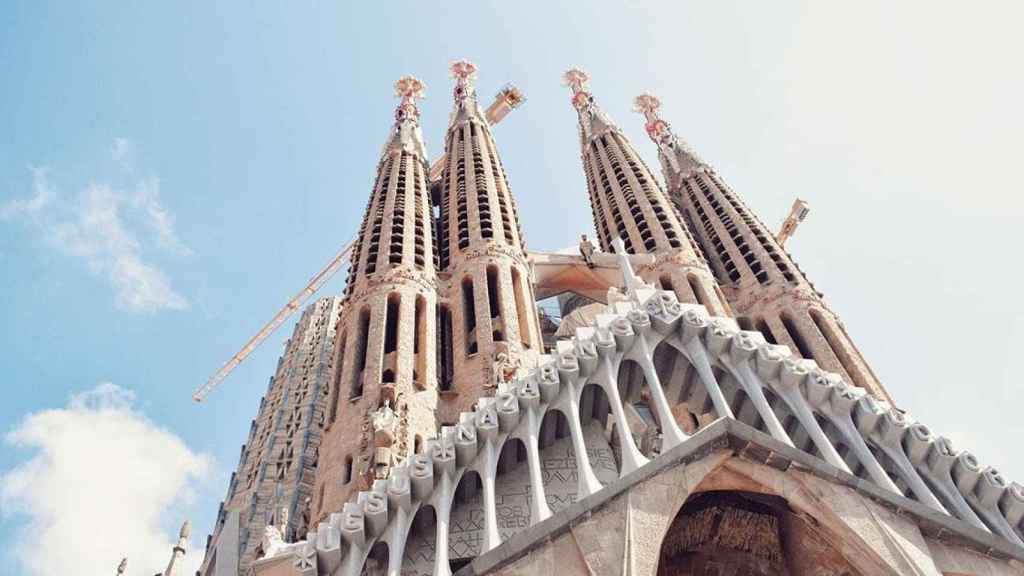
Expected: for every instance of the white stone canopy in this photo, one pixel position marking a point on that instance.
(736, 375)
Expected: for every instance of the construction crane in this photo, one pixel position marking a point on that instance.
(797, 214)
(507, 99)
(294, 304)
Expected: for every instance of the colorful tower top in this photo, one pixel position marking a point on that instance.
(678, 160)
(593, 121)
(466, 104)
(406, 135)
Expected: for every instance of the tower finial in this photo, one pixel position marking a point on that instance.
(648, 105)
(676, 156)
(409, 89)
(466, 105)
(576, 79)
(464, 73)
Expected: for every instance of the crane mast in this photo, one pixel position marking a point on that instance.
(294, 304)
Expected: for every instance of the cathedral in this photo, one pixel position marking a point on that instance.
(699, 409)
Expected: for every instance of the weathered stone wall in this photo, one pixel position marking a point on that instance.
(278, 462)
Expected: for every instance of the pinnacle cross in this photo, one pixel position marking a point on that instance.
(409, 89)
(464, 73)
(576, 79)
(648, 105)
(629, 277)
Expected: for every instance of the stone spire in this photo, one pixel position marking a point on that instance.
(384, 384)
(678, 160)
(489, 308)
(764, 286)
(466, 104)
(174, 566)
(593, 121)
(406, 134)
(628, 203)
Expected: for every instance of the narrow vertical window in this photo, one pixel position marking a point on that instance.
(521, 310)
(392, 318)
(418, 345)
(763, 328)
(797, 338)
(445, 368)
(469, 315)
(348, 470)
(356, 385)
(666, 283)
(494, 302)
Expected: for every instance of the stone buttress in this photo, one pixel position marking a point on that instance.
(273, 484)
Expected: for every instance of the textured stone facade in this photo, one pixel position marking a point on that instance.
(384, 392)
(707, 416)
(489, 316)
(278, 462)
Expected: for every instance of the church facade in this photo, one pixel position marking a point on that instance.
(704, 412)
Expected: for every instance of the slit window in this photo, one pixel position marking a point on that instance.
(469, 315)
(356, 385)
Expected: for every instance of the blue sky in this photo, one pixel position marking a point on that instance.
(200, 162)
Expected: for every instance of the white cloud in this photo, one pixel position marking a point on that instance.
(104, 482)
(109, 229)
(147, 197)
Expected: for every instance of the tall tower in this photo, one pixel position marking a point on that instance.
(489, 315)
(766, 289)
(278, 461)
(628, 202)
(384, 387)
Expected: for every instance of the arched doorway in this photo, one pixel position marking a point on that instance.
(720, 533)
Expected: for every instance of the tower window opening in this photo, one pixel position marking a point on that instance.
(418, 340)
(796, 337)
(356, 385)
(469, 315)
(391, 322)
(347, 477)
(445, 367)
(762, 327)
(494, 301)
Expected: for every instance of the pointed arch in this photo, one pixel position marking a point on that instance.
(466, 523)
(421, 542)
